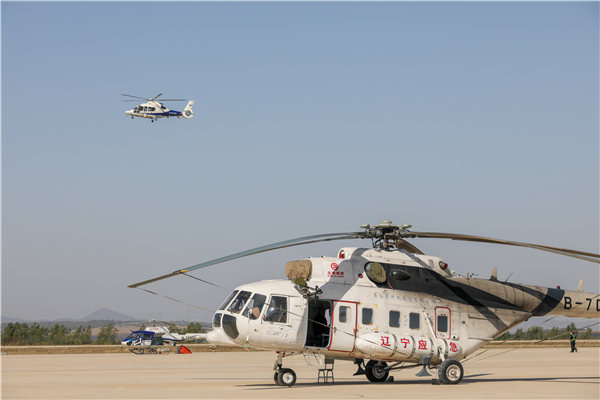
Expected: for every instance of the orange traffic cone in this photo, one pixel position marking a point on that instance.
(183, 350)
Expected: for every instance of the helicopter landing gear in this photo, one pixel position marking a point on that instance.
(376, 371)
(283, 376)
(450, 372)
(131, 117)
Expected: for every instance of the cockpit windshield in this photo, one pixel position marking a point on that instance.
(239, 302)
(226, 302)
(132, 336)
(255, 306)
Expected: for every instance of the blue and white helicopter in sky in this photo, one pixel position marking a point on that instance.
(155, 110)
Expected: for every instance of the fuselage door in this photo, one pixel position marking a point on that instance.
(442, 322)
(343, 323)
(147, 338)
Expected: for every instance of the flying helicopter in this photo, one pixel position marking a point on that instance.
(385, 308)
(154, 109)
(153, 337)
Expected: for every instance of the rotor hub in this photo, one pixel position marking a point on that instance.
(386, 236)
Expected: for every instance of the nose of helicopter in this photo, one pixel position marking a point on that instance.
(217, 336)
(227, 329)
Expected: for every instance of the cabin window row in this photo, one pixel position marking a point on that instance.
(144, 109)
(414, 319)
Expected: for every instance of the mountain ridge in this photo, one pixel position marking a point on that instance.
(100, 314)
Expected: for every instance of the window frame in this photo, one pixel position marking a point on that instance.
(346, 314)
(446, 323)
(271, 305)
(410, 320)
(390, 319)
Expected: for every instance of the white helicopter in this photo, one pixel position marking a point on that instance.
(154, 109)
(153, 337)
(391, 305)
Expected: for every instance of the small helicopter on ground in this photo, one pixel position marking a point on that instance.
(389, 304)
(154, 109)
(154, 337)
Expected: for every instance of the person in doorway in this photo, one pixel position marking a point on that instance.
(573, 337)
(320, 326)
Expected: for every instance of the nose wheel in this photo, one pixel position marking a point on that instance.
(285, 377)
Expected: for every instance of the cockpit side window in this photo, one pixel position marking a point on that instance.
(226, 302)
(277, 311)
(255, 306)
(240, 301)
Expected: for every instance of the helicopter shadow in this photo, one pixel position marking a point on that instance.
(562, 379)
(467, 380)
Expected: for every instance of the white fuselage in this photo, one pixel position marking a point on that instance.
(429, 313)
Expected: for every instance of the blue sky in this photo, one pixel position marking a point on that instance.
(475, 118)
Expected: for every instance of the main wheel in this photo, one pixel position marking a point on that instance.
(376, 371)
(286, 377)
(451, 372)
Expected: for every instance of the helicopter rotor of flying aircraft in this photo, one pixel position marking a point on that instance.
(387, 304)
(154, 109)
(153, 337)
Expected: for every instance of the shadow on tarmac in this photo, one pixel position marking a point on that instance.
(472, 379)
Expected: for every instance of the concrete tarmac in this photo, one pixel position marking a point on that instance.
(550, 373)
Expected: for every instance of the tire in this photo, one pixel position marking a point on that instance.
(275, 378)
(375, 372)
(286, 377)
(451, 372)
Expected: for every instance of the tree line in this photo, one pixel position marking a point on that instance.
(21, 334)
(538, 333)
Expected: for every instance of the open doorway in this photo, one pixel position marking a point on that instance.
(319, 323)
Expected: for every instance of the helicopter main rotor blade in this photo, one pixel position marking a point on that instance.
(383, 232)
(469, 238)
(172, 100)
(156, 97)
(279, 245)
(137, 97)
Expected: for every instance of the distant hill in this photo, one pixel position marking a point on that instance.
(101, 314)
(105, 313)
(6, 320)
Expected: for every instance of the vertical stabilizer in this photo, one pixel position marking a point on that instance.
(494, 276)
(187, 112)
